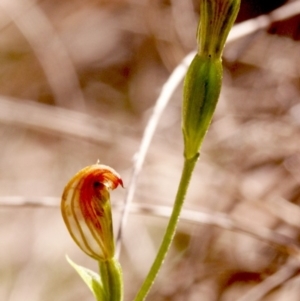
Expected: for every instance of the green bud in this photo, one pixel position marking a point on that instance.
(203, 80)
(202, 87)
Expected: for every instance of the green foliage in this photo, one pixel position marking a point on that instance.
(91, 279)
(108, 286)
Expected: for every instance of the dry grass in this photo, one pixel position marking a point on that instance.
(78, 80)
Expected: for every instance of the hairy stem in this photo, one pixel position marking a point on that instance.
(111, 276)
(189, 165)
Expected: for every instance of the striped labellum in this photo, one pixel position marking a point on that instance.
(86, 210)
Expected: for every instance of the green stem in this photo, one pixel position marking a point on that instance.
(111, 276)
(189, 165)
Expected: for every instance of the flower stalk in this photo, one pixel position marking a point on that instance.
(187, 172)
(111, 275)
(202, 87)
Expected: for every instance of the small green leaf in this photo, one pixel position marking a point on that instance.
(91, 279)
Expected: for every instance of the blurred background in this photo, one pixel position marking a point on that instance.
(78, 82)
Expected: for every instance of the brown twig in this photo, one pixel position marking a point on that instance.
(52, 119)
(201, 215)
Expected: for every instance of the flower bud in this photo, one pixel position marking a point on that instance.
(86, 210)
(203, 80)
(202, 87)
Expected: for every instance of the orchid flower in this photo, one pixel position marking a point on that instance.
(86, 210)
